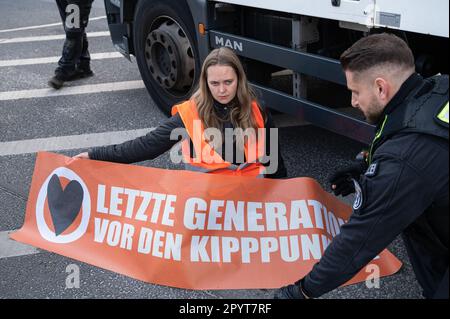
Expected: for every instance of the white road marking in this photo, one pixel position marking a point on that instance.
(58, 143)
(12, 248)
(72, 90)
(54, 59)
(50, 37)
(44, 25)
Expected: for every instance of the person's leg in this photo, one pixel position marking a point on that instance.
(62, 4)
(74, 30)
(73, 46)
(83, 65)
(75, 49)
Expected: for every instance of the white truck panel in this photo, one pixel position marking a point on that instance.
(428, 17)
(349, 10)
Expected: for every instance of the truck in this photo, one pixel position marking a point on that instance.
(290, 48)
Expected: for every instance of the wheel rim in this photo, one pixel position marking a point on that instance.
(170, 59)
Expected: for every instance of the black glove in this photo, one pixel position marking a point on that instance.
(293, 291)
(342, 179)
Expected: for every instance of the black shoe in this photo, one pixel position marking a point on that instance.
(83, 71)
(56, 82)
(61, 76)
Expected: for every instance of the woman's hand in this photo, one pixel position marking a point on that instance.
(84, 155)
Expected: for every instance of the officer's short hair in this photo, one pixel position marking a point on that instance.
(375, 50)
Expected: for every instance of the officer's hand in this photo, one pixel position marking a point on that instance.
(341, 181)
(289, 292)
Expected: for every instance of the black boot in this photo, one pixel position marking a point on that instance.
(56, 82)
(66, 70)
(83, 71)
(61, 76)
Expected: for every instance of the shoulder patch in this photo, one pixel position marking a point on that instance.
(358, 195)
(372, 170)
(443, 114)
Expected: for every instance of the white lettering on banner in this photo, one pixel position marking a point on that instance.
(213, 215)
(291, 248)
(132, 194)
(249, 246)
(276, 212)
(152, 241)
(234, 215)
(300, 215)
(229, 245)
(101, 200)
(140, 214)
(128, 199)
(215, 254)
(115, 201)
(253, 216)
(268, 246)
(100, 228)
(258, 216)
(317, 212)
(311, 247)
(325, 242)
(114, 233)
(291, 254)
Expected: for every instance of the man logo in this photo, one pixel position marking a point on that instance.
(224, 42)
(63, 206)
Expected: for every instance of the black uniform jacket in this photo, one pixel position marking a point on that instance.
(404, 190)
(158, 142)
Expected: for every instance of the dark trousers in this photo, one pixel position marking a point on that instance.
(442, 291)
(75, 53)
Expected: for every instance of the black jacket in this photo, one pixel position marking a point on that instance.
(405, 190)
(158, 142)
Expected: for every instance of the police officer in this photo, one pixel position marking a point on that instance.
(75, 59)
(403, 188)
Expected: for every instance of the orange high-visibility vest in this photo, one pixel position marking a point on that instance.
(206, 158)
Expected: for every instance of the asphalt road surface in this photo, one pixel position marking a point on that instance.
(113, 102)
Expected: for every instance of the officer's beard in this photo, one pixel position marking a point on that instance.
(374, 111)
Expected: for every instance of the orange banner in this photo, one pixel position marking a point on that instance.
(184, 229)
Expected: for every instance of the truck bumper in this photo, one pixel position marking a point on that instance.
(117, 13)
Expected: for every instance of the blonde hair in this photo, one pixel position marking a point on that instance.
(241, 115)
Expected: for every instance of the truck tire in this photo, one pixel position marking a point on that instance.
(166, 50)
